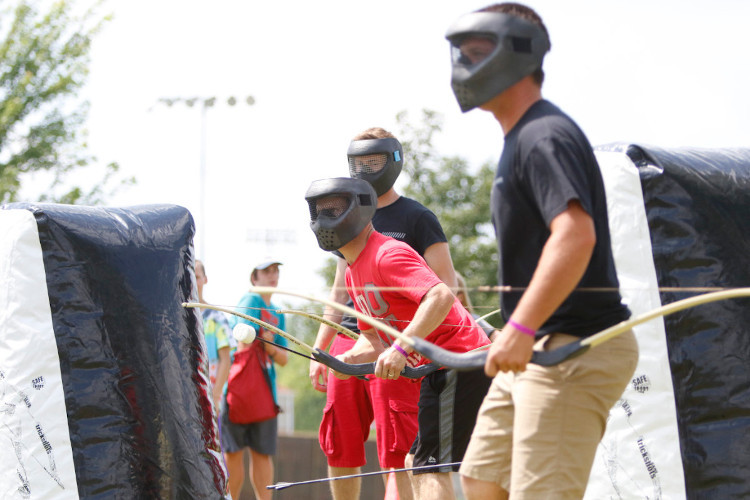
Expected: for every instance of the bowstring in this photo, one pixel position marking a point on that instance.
(504, 289)
(269, 342)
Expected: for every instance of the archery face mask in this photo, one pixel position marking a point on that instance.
(340, 209)
(490, 52)
(378, 161)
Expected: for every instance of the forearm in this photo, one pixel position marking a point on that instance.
(438, 257)
(278, 355)
(222, 373)
(338, 294)
(432, 311)
(366, 349)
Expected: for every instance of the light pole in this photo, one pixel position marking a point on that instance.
(204, 103)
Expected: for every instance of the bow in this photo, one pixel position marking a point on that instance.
(476, 359)
(356, 370)
(437, 354)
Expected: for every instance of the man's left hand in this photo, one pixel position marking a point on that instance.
(390, 364)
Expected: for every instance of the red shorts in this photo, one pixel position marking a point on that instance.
(351, 406)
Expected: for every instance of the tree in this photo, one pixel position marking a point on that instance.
(460, 199)
(44, 59)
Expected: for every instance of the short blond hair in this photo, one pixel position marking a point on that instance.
(374, 133)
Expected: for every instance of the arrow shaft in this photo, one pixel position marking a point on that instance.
(281, 486)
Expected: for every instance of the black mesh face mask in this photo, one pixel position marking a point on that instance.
(378, 161)
(360, 166)
(339, 210)
(332, 207)
(490, 52)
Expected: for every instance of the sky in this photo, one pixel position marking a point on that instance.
(663, 73)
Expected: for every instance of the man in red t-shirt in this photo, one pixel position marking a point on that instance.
(352, 405)
(389, 281)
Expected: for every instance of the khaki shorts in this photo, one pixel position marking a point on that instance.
(537, 431)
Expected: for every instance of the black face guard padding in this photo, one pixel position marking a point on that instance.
(353, 204)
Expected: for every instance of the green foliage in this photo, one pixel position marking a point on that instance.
(328, 271)
(460, 198)
(44, 59)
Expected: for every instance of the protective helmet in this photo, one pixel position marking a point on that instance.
(378, 161)
(340, 209)
(517, 49)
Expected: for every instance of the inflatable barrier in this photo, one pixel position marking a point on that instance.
(102, 371)
(680, 222)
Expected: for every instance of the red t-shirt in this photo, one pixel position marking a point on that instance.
(388, 281)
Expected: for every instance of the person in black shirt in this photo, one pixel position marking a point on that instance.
(538, 429)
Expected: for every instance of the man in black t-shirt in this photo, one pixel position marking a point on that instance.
(352, 404)
(538, 429)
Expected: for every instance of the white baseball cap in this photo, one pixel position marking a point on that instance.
(267, 263)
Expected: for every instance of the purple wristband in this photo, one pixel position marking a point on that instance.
(521, 328)
(400, 349)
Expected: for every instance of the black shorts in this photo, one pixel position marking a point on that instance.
(448, 405)
(260, 437)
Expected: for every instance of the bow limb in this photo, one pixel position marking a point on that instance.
(666, 310)
(369, 368)
(550, 358)
(375, 323)
(357, 370)
(306, 348)
(491, 313)
(426, 348)
(321, 319)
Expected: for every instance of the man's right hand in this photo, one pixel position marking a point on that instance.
(510, 352)
(319, 376)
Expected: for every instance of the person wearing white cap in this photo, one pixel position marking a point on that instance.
(259, 437)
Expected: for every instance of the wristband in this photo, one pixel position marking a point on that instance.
(400, 349)
(521, 328)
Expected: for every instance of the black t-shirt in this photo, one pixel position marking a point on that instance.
(547, 162)
(409, 221)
